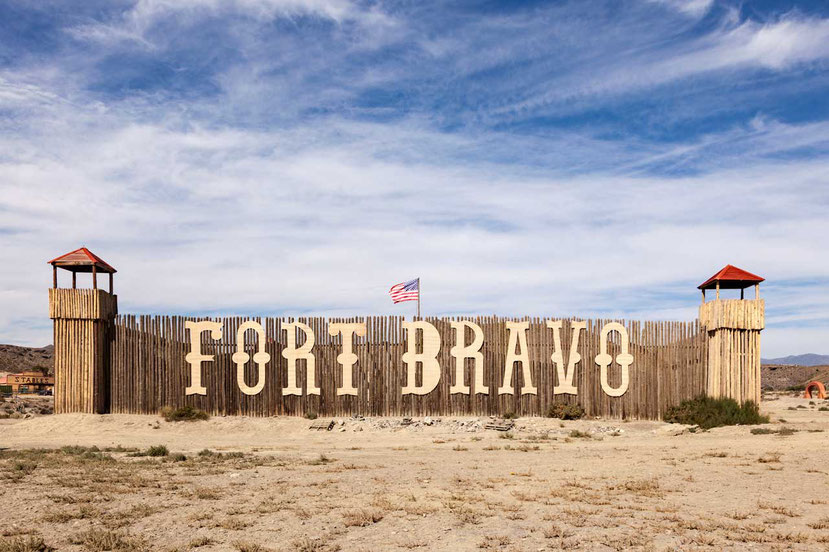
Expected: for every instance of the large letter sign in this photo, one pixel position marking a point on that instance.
(260, 357)
(624, 359)
(565, 378)
(195, 357)
(517, 334)
(461, 352)
(428, 358)
(347, 358)
(292, 353)
(426, 361)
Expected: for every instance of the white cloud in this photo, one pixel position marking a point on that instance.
(320, 219)
(693, 8)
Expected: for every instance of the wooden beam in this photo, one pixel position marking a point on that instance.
(74, 280)
(54, 276)
(718, 291)
(742, 293)
(94, 277)
(756, 291)
(110, 283)
(703, 296)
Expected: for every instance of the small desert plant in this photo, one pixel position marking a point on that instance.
(565, 411)
(362, 518)
(96, 540)
(576, 434)
(183, 414)
(762, 431)
(29, 544)
(708, 412)
(157, 450)
(243, 546)
(510, 416)
(311, 415)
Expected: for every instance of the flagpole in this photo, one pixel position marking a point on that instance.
(418, 297)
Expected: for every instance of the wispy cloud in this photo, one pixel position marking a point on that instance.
(301, 157)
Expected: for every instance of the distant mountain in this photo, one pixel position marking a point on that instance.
(809, 359)
(17, 359)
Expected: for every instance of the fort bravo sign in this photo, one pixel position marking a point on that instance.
(517, 354)
(385, 365)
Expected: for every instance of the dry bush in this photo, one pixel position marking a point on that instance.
(362, 517)
(243, 546)
(770, 458)
(200, 541)
(820, 524)
(494, 542)
(565, 411)
(556, 531)
(183, 414)
(102, 540)
(27, 544)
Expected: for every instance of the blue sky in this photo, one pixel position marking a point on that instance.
(279, 157)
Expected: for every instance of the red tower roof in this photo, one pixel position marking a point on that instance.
(82, 260)
(731, 277)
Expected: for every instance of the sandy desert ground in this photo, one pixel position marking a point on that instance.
(272, 484)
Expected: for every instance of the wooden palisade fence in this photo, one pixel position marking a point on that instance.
(148, 369)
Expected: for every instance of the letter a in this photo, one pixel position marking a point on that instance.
(565, 377)
(431, 347)
(624, 359)
(517, 334)
(195, 357)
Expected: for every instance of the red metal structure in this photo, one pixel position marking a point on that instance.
(817, 386)
(731, 277)
(81, 260)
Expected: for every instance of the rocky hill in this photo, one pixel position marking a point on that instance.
(15, 359)
(809, 359)
(779, 377)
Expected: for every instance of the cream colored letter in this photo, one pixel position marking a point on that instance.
(195, 357)
(517, 334)
(565, 378)
(461, 352)
(292, 353)
(347, 358)
(260, 357)
(428, 358)
(624, 359)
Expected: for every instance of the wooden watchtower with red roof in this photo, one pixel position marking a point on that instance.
(83, 331)
(733, 327)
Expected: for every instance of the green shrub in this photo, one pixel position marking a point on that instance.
(510, 416)
(708, 412)
(311, 415)
(158, 450)
(576, 434)
(183, 414)
(565, 411)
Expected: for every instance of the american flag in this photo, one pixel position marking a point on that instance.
(405, 291)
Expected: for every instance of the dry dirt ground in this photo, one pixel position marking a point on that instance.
(272, 484)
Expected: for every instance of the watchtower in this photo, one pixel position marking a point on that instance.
(83, 325)
(733, 327)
